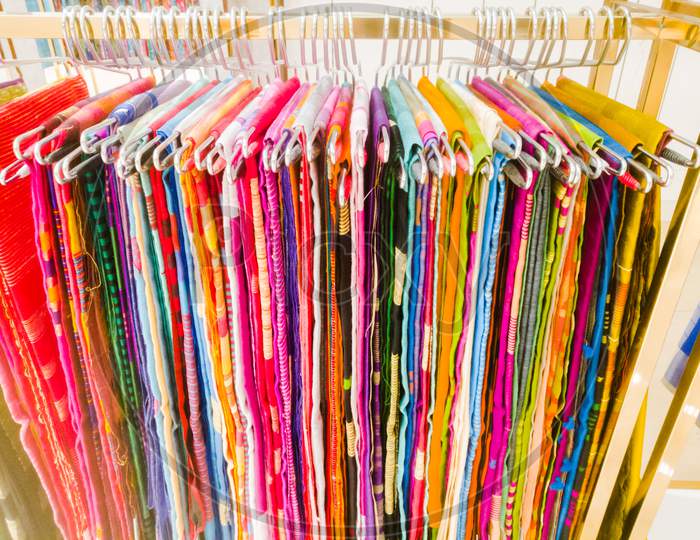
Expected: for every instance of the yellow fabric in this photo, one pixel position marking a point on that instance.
(644, 126)
(637, 253)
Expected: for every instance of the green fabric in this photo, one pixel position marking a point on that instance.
(527, 324)
(105, 253)
(480, 148)
(550, 271)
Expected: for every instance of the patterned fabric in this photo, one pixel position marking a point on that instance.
(335, 311)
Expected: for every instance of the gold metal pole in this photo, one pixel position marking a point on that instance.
(367, 26)
(669, 277)
(657, 73)
(672, 438)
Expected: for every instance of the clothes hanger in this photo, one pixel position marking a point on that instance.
(480, 43)
(200, 136)
(404, 67)
(590, 35)
(87, 143)
(352, 68)
(552, 154)
(88, 137)
(483, 110)
(235, 44)
(208, 143)
(386, 67)
(443, 148)
(337, 43)
(302, 46)
(207, 117)
(421, 25)
(582, 93)
(210, 27)
(610, 24)
(547, 42)
(160, 52)
(532, 32)
(243, 36)
(431, 151)
(444, 141)
(508, 29)
(303, 124)
(282, 41)
(491, 59)
(390, 73)
(318, 133)
(137, 151)
(235, 136)
(356, 66)
(163, 160)
(437, 101)
(385, 45)
(72, 47)
(273, 146)
(643, 175)
(555, 149)
(420, 167)
(307, 114)
(335, 39)
(560, 27)
(70, 30)
(563, 130)
(23, 151)
(584, 157)
(165, 92)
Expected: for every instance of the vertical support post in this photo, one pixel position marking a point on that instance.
(671, 272)
(680, 419)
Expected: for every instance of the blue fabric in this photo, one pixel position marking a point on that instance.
(482, 315)
(134, 107)
(165, 515)
(559, 106)
(209, 397)
(677, 367)
(591, 353)
(414, 325)
(412, 144)
(167, 129)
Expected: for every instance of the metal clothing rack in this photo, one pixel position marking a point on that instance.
(676, 24)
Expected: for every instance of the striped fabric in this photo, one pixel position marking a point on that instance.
(330, 310)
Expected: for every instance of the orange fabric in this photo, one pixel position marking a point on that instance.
(440, 104)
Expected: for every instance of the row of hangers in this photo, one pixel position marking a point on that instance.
(123, 50)
(332, 30)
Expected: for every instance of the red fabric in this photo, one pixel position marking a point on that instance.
(33, 378)
(32, 110)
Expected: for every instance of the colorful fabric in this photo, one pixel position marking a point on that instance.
(335, 311)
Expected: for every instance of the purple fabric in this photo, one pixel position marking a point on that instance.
(596, 210)
(293, 453)
(378, 120)
(278, 300)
